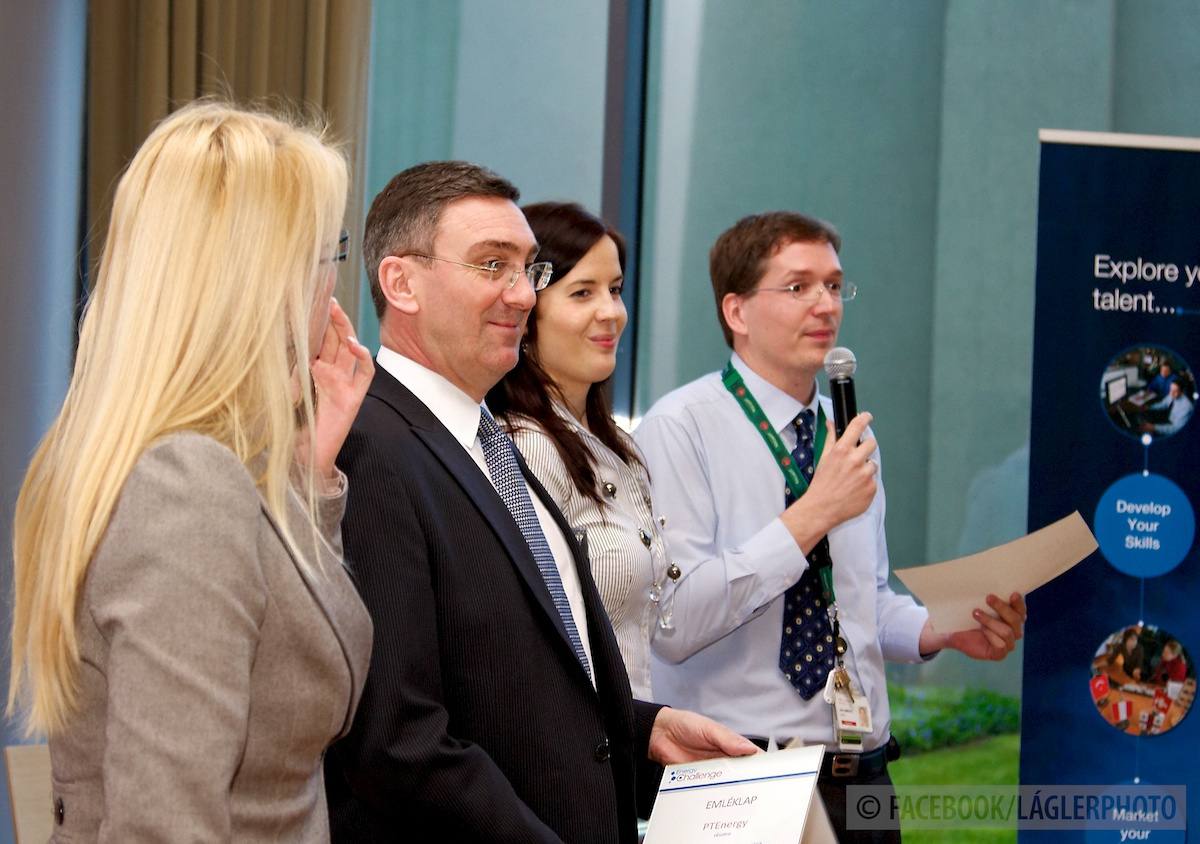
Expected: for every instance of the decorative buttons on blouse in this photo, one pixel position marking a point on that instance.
(655, 592)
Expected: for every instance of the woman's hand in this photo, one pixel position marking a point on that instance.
(341, 373)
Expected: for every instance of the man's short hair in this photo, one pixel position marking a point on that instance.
(739, 258)
(404, 216)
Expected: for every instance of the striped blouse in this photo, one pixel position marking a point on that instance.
(624, 541)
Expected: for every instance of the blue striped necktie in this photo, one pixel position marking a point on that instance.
(806, 649)
(510, 483)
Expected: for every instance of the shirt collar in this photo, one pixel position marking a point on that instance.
(567, 416)
(779, 408)
(453, 408)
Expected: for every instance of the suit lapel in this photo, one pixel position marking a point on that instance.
(476, 486)
(336, 597)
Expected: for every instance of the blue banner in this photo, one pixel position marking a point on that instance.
(1109, 672)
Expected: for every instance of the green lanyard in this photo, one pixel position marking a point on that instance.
(732, 379)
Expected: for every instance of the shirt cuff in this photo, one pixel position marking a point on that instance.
(775, 558)
(332, 487)
(901, 642)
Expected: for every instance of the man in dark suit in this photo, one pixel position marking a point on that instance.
(496, 707)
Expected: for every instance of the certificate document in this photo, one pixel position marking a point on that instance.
(768, 798)
(951, 590)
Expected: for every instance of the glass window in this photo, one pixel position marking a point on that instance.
(517, 87)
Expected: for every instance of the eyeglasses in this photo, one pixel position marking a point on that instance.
(507, 273)
(343, 249)
(811, 291)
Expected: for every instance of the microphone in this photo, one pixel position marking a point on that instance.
(840, 366)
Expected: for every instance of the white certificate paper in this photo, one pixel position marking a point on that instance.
(951, 590)
(768, 798)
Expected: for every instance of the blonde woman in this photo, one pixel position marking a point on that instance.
(184, 631)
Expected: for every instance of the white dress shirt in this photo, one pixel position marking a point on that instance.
(460, 414)
(722, 493)
(624, 541)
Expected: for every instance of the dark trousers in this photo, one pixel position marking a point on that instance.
(833, 792)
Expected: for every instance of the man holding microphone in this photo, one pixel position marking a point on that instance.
(783, 613)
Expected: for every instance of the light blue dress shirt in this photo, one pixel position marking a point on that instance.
(1179, 411)
(721, 491)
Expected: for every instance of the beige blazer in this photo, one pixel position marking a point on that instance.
(215, 669)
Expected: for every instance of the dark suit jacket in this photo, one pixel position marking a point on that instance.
(477, 722)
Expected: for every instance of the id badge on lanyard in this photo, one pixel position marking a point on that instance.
(850, 707)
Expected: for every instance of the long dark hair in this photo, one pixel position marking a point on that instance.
(565, 232)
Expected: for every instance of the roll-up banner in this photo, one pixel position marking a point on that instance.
(1110, 649)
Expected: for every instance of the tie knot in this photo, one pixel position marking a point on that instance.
(496, 446)
(804, 422)
(488, 429)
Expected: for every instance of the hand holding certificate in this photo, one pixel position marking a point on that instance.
(951, 590)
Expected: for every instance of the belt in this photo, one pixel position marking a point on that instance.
(849, 767)
(854, 766)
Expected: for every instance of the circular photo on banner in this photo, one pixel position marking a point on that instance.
(1148, 391)
(1142, 680)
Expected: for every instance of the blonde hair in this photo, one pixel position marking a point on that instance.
(199, 321)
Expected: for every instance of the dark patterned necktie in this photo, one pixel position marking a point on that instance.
(806, 649)
(510, 483)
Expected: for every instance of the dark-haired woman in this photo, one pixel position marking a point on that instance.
(555, 407)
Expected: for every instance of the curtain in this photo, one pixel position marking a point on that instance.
(149, 57)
